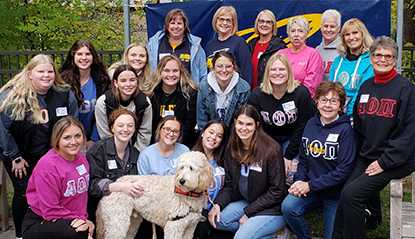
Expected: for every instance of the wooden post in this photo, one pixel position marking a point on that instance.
(396, 209)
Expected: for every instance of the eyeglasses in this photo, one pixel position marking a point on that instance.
(168, 130)
(226, 66)
(324, 100)
(262, 21)
(227, 20)
(378, 56)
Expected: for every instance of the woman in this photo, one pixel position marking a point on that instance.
(87, 75)
(125, 94)
(112, 158)
(225, 23)
(212, 142)
(250, 201)
(352, 67)
(286, 106)
(30, 104)
(222, 93)
(161, 158)
(265, 45)
(175, 39)
(320, 176)
(57, 192)
(306, 62)
(136, 56)
(383, 122)
(172, 92)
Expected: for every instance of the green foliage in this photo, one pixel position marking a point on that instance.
(57, 24)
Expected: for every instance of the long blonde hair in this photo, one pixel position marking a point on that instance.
(366, 41)
(185, 81)
(22, 97)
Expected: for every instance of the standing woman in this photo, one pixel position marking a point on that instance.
(125, 94)
(265, 45)
(172, 92)
(31, 103)
(87, 75)
(225, 23)
(175, 39)
(352, 67)
(320, 176)
(250, 201)
(306, 62)
(136, 56)
(57, 192)
(285, 106)
(222, 93)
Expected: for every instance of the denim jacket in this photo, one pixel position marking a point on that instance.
(206, 102)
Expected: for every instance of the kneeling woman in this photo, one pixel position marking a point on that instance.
(326, 161)
(250, 201)
(57, 191)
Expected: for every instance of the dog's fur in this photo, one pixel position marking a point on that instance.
(120, 215)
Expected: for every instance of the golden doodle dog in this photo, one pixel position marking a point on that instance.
(173, 202)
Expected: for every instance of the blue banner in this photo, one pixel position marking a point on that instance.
(374, 13)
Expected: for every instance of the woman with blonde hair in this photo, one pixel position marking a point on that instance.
(136, 56)
(265, 45)
(285, 105)
(225, 23)
(30, 104)
(175, 39)
(173, 92)
(306, 62)
(352, 67)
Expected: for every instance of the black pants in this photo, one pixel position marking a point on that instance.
(19, 203)
(359, 188)
(35, 227)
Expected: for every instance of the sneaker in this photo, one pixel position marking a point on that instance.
(367, 214)
(285, 235)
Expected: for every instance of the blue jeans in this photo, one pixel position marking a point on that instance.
(256, 227)
(293, 209)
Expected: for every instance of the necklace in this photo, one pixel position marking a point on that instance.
(167, 94)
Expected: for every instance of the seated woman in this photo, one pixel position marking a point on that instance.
(306, 62)
(172, 92)
(57, 191)
(112, 158)
(212, 142)
(250, 200)
(125, 94)
(161, 158)
(222, 93)
(326, 161)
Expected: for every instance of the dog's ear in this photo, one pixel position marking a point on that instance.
(205, 176)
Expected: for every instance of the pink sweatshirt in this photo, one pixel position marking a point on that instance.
(307, 66)
(58, 188)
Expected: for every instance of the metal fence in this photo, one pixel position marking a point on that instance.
(12, 62)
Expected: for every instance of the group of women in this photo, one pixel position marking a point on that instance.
(83, 127)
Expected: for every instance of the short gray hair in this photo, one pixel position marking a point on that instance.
(301, 21)
(384, 42)
(332, 13)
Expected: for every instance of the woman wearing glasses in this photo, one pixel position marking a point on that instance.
(352, 67)
(326, 160)
(225, 23)
(265, 45)
(222, 93)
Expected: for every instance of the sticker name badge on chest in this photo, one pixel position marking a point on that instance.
(332, 137)
(174, 163)
(112, 164)
(290, 105)
(167, 112)
(81, 169)
(219, 171)
(61, 111)
(364, 98)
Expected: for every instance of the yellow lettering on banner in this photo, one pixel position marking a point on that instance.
(314, 21)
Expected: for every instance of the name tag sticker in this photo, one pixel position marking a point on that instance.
(219, 171)
(260, 54)
(167, 112)
(174, 163)
(290, 105)
(112, 164)
(161, 55)
(61, 111)
(81, 169)
(256, 167)
(332, 137)
(364, 98)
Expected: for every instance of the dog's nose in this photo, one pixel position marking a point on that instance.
(182, 181)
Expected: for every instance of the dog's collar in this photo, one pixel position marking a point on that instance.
(189, 194)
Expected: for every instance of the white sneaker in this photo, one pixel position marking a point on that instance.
(286, 234)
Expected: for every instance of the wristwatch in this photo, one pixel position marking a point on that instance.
(17, 160)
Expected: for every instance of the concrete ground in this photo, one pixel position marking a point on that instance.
(9, 234)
